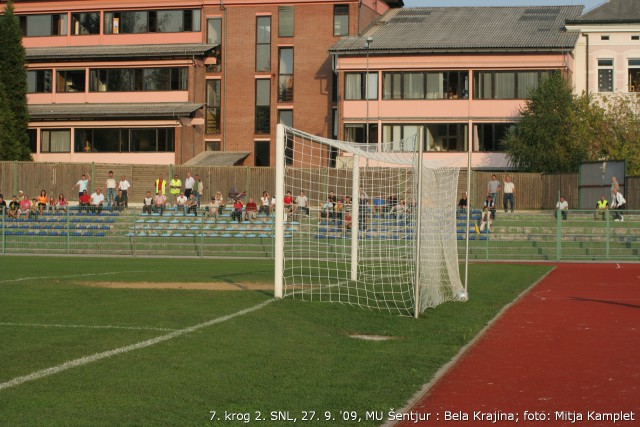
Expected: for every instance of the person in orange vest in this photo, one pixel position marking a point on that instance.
(161, 185)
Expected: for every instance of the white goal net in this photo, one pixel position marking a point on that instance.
(376, 230)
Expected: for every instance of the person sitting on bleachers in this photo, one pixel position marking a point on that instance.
(3, 205)
(14, 205)
(487, 217)
(326, 210)
(181, 204)
(159, 203)
(61, 203)
(51, 205)
(97, 200)
(602, 206)
(400, 210)
(251, 210)
(42, 200)
(85, 201)
(192, 204)
(563, 207)
(378, 204)
(213, 208)
(25, 207)
(462, 203)
(236, 215)
(147, 205)
(119, 201)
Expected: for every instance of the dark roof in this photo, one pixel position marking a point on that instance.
(118, 52)
(467, 29)
(614, 11)
(218, 158)
(112, 111)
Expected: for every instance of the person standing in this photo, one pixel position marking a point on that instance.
(161, 186)
(174, 189)
(618, 204)
(124, 186)
(508, 199)
(493, 187)
(110, 185)
(198, 188)
(83, 184)
(189, 182)
(615, 186)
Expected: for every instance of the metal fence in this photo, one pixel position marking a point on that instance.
(532, 236)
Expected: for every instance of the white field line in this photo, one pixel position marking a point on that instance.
(22, 279)
(44, 325)
(148, 343)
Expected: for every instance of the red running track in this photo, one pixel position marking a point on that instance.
(566, 354)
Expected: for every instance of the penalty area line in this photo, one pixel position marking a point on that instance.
(22, 279)
(115, 352)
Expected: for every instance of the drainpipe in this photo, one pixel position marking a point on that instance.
(586, 36)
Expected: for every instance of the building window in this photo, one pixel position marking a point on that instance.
(71, 81)
(262, 153)
(85, 23)
(357, 133)
(263, 106)
(43, 25)
(355, 86)
(285, 21)
(604, 38)
(153, 21)
(506, 84)
(605, 75)
(393, 138)
(426, 85)
(138, 79)
(488, 136)
(341, 20)
(285, 77)
(446, 137)
(635, 37)
(39, 81)
(33, 140)
(286, 118)
(117, 140)
(213, 106)
(214, 36)
(55, 140)
(634, 75)
(263, 43)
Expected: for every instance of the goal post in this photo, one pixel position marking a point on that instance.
(374, 226)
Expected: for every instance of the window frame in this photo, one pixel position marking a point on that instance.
(606, 65)
(286, 13)
(286, 81)
(213, 110)
(262, 110)
(340, 11)
(263, 47)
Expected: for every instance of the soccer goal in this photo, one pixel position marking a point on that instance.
(366, 225)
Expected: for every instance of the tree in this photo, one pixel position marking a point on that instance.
(555, 130)
(621, 130)
(14, 137)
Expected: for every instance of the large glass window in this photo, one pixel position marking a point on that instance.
(506, 84)
(153, 21)
(634, 75)
(71, 81)
(446, 137)
(43, 25)
(426, 85)
(285, 77)
(213, 106)
(118, 140)
(488, 136)
(285, 21)
(138, 79)
(605, 75)
(214, 36)
(357, 132)
(400, 138)
(355, 86)
(341, 20)
(55, 140)
(85, 23)
(263, 43)
(263, 106)
(39, 81)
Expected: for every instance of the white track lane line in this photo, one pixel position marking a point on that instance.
(22, 279)
(148, 343)
(46, 325)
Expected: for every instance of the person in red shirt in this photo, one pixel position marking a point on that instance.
(85, 201)
(251, 210)
(237, 211)
(25, 207)
(288, 202)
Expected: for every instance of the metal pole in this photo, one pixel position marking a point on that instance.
(418, 229)
(355, 216)
(279, 219)
(366, 92)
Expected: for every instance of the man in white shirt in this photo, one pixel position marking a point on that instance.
(124, 186)
(181, 204)
(563, 207)
(82, 184)
(509, 197)
(97, 199)
(302, 203)
(618, 204)
(159, 203)
(188, 185)
(110, 184)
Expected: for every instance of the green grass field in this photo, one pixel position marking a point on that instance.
(283, 358)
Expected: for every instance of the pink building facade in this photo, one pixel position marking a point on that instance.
(431, 69)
